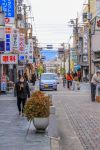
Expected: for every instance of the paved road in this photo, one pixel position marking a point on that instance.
(78, 119)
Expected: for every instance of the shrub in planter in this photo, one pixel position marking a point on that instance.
(37, 106)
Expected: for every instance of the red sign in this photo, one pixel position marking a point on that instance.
(98, 23)
(22, 42)
(8, 30)
(7, 20)
(9, 59)
(97, 26)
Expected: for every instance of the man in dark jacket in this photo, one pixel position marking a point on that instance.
(22, 92)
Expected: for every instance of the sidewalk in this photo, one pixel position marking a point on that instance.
(16, 133)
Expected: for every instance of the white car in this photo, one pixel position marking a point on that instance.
(48, 81)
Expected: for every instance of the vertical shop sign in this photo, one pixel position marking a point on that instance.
(22, 43)
(19, 6)
(30, 52)
(85, 40)
(8, 41)
(2, 46)
(15, 39)
(8, 6)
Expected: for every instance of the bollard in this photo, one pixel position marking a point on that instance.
(52, 110)
(50, 96)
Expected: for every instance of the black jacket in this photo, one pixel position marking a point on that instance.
(25, 92)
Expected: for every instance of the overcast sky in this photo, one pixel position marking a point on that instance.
(51, 17)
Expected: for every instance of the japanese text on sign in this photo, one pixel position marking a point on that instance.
(8, 7)
(9, 59)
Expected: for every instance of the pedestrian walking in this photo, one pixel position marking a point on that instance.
(33, 78)
(95, 80)
(22, 92)
(69, 80)
(64, 81)
(26, 76)
(74, 83)
(79, 75)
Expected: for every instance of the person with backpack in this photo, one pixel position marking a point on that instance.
(22, 92)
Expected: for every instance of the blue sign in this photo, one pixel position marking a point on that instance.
(2, 46)
(8, 6)
(21, 57)
(8, 44)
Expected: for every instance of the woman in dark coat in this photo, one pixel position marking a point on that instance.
(33, 78)
(22, 92)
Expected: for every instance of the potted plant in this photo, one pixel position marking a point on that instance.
(37, 109)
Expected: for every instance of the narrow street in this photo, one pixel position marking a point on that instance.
(78, 119)
(78, 122)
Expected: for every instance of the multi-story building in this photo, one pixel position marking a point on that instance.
(91, 15)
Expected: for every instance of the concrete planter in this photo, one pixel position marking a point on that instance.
(41, 124)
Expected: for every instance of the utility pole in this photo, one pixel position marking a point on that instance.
(89, 52)
(64, 58)
(64, 61)
(69, 56)
(25, 22)
(16, 13)
(77, 40)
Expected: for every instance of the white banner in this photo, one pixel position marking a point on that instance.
(30, 52)
(85, 39)
(9, 59)
(15, 39)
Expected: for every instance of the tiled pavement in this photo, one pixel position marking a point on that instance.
(83, 115)
(14, 133)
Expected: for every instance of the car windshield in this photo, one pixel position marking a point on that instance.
(48, 77)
